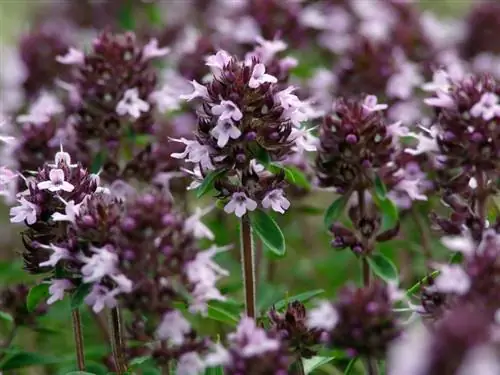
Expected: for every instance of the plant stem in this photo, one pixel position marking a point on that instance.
(366, 271)
(299, 367)
(117, 340)
(248, 265)
(77, 332)
(424, 234)
(102, 325)
(371, 367)
(371, 364)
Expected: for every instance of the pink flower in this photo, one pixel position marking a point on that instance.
(224, 130)
(487, 107)
(173, 327)
(240, 204)
(131, 104)
(218, 61)
(151, 50)
(323, 317)
(452, 279)
(56, 182)
(26, 211)
(252, 340)
(57, 290)
(227, 110)
(276, 200)
(259, 76)
(200, 91)
(58, 254)
(370, 104)
(72, 57)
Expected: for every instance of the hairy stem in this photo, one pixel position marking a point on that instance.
(117, 341)
(248, 265)
(77, 332)
(299, 367)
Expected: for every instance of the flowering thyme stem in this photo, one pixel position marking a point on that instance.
(77, 331)
(248, 265)
(371, 365)
(117, 341)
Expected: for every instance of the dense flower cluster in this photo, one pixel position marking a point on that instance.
(252, 351)
(246, 120)
(361, 321)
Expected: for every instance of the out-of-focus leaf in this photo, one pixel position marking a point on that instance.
(383, 267)
(380, 189)
(302, 297)
(221, 315)
(79, 295)
(335, 210)
(390, 214)
(126, 16)
(36, 295)
(208, 182)
(260, 154)
(6, 316)
(214, 371)
(313, 363)
(98, 162)
(27, 359)
(350, 366)
(268, 231)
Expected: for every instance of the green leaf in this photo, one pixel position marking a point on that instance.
(296, 177)
(154, 12)
(380, 189)
(390, 214)
(208, 182)
(6, 316)
(26, 359)
(268, 231)
(137, 361)
(126, 16)
(335, 210)
(221, 315)
(313, 363)
(79, 295)
(79, 373)
(350, 366)
(36, 295)
(419, 283)
(302, 297)
(98, 162)
(219, 370)
(260, 153)
(383, 267)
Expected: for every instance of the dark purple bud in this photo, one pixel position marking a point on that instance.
(128, 224)
(251, 136)
(168, 219)
(88, 221)
(352, 139)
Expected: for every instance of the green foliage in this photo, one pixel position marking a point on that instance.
(208, 183)
(37, 295)
(268, 231)
(18, 360)
(383, 267)
(314, 363)
(302, 297)
(335, 210)
(79, 295)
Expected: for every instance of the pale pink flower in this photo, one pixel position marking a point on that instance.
(151, 50)
(26, 211)
(200, 91)
(370, 104)
(259, 76)
(224, 130)
(56, 182)
(276, 200)
(57, 290)
(487, 107)
(227, 110)
(131, 104)
(173, 327)
(240, 204)
(58, 253)
(323, 317)
(72, 57)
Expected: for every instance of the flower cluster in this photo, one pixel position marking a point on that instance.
(361, 321)
(252, 351)
(292, 327)
(246, 119)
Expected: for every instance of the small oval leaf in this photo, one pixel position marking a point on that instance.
(313, 363)
(6, 316)
(302, 297)
(390, 214)
(219, 370)
(79, 295)
(383, 267)
(380, 188)
(268, 231)
(36, 295)
(335, 210)
(26, 359)
(350, 366)
(208, 182)
(296, 177)
(221, 315)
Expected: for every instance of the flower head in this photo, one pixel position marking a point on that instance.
(240, 204)
(56, 182)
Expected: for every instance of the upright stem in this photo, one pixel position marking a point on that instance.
(117, 341)
(299, 367)
(366, 271)
(248, 265)
(77, 332)
(371, 364)
(424, 234)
